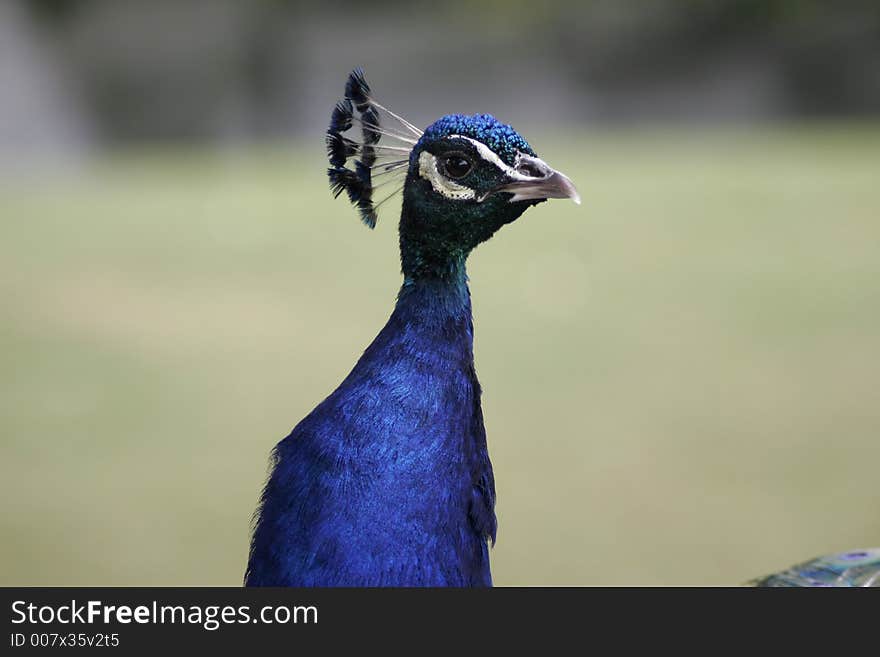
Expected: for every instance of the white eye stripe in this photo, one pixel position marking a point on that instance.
(490, 156)
(429, 170)
(441, 184)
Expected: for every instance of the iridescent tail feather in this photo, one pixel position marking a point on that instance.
(851, 568)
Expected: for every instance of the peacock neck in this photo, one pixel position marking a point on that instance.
(434, 300)
(437, 301)
(432, 264)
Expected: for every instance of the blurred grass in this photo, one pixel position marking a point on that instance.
(681, 375)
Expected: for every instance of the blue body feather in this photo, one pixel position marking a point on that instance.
(388, 481)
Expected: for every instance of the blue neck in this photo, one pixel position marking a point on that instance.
(439, 298)
(388, 480)
(431, 246)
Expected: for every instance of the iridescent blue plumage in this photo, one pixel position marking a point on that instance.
(387, 481)
(503, 140)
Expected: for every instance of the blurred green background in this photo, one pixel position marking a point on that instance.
(701, 336)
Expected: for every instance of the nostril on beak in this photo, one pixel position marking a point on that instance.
(531, 169)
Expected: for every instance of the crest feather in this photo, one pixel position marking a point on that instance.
(359, 107)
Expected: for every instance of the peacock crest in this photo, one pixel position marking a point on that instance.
(374, 165)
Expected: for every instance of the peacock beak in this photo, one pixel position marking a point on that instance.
(534, 179)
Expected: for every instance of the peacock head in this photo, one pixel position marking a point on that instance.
(462, 179)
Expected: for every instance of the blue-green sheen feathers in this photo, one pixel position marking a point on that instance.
(503, 140)
(851, 568)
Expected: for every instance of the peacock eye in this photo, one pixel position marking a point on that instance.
(456, 166)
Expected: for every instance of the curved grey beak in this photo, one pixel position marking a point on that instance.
(532, 179)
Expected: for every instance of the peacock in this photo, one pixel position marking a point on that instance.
(388, 481)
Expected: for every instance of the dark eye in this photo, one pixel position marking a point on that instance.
(456, 166)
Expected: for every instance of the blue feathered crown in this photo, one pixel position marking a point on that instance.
(386, 162)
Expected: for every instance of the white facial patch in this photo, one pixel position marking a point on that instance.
(453, 190)
(441, 184)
